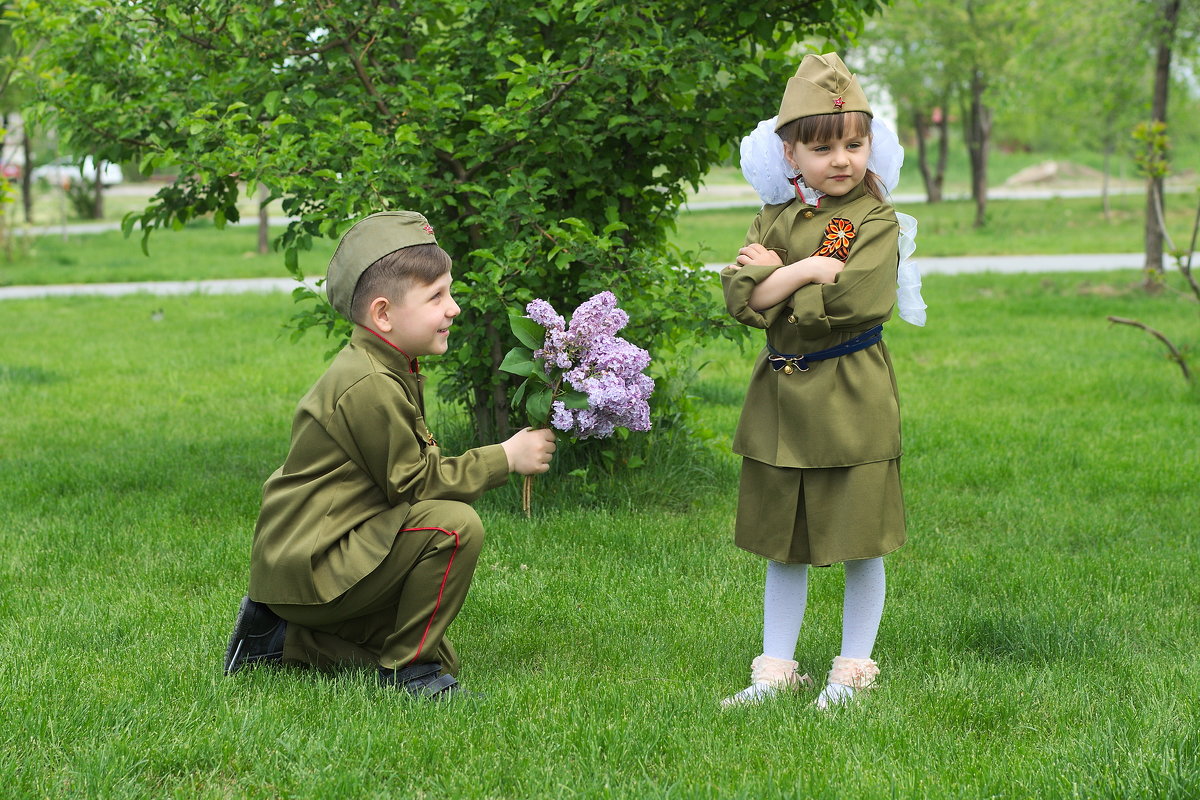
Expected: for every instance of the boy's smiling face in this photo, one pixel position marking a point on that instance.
(419, 324)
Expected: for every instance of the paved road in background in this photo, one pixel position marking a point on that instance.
(928, 266)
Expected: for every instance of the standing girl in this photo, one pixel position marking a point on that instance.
(819, 434)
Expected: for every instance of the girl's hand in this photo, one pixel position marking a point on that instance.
(757, 254)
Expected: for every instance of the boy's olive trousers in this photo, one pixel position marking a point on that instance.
(398, 614)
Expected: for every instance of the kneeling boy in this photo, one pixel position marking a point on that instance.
(366, 541)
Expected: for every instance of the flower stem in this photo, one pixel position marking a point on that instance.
(527, 483)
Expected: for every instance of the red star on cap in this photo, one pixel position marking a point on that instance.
(428, 229)
(839, 103)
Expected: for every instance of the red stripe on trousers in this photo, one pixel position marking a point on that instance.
(441, 589)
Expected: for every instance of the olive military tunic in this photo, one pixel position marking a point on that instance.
(820, 448)
(362, 475)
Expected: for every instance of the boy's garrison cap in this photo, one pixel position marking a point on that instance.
(367, 241)
(822, 85)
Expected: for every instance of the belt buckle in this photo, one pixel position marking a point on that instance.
(793, 364)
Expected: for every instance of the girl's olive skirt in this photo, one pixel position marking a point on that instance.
(820, 516)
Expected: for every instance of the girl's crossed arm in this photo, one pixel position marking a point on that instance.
(783, 282)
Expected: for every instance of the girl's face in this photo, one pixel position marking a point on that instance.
(833, 166)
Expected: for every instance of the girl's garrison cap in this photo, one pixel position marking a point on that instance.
(822, 85)
(367, 241)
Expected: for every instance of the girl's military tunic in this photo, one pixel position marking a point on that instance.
(821, 448)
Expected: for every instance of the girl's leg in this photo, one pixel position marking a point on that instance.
(784, 600)
(862, 609)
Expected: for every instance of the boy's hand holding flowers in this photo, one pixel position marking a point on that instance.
(529, 451)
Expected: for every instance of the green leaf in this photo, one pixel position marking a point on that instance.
(538, 406)
(291, 260)
(146, 165)
(518, 361)
(574, 399)
(127, 223)
(528, 332)
(754, 69)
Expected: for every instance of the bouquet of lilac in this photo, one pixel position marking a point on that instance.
(580, 377)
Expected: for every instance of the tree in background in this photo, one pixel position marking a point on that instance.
(549, 142)
(991, 39)
(1085, 90)
(902, 55)
(932, 51)
(1164, 33)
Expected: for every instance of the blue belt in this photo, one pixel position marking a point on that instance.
(789, 362)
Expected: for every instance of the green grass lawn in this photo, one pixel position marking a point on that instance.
(198, 252)
(1016, 227)
(1040, 637)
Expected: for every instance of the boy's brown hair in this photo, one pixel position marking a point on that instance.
(395, 273)
(370, 240)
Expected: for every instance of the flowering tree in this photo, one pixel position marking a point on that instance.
(550, 143)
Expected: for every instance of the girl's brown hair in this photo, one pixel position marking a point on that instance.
(825, 127)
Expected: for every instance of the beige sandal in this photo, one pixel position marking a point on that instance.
(849, 675)
(768, 676)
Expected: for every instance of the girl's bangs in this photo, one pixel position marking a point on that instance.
(826, 127)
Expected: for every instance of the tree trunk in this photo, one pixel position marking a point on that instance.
(1109, 146)
(979, 130)
(921, 126)
(1152, 270)
(98, 191)
(26, 170)
(943, 149)
(491, 408)
(264, 222)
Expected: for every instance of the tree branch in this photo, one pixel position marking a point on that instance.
(560, 88)
(1185, 266)
(1157, 198)
(365, 80)
(1175, 355)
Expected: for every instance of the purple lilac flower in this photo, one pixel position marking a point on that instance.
(598, 363)
(598, 316)
(544, 314)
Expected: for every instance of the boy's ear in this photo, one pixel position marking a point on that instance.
(379, 314)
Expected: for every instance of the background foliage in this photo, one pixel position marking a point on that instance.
(549, 144)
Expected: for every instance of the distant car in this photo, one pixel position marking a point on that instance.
(11, 171)
(65, 171)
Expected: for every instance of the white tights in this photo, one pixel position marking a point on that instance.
(786, 596)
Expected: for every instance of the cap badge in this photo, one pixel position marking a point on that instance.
(427, 228)
(838, 103)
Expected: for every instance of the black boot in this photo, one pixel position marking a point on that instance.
(421, 680)
(257, 637)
